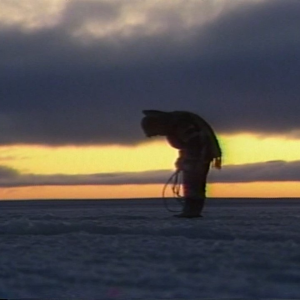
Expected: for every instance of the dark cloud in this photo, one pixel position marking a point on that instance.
(239, 71)
(7, 173)
(12, 178)
(255, 172)
(267, 171)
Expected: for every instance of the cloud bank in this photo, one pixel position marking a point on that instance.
(263, 172)
(81, 71)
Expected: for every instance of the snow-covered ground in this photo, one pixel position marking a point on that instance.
(135, 249)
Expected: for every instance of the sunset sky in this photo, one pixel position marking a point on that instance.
(75, 76)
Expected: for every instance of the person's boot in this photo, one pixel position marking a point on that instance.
(196, 207)
(192, 208)
(185, 210)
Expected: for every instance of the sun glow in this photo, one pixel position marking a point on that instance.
(154, 154)
(216, 190)
(87, 160)
(251, 148)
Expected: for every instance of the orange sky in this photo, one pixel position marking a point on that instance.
(154, 154)
(263, 189)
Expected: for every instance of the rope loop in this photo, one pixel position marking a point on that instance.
(176, 180)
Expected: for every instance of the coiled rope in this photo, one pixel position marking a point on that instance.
(175, 180)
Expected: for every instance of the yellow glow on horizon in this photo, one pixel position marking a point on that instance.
(154, 155)
(251, 148)
(81, 192)
(255, 189)
(216, 190)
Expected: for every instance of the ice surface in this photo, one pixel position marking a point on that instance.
(135, 249)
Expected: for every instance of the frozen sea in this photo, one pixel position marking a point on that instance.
(136, 249)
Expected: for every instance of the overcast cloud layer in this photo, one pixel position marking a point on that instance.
(81, 71)
(267, 171)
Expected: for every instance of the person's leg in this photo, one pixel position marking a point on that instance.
(202, 181)
(194, 185)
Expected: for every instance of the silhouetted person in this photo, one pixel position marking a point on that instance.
(198, 148)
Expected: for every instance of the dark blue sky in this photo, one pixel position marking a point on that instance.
(65, 84)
